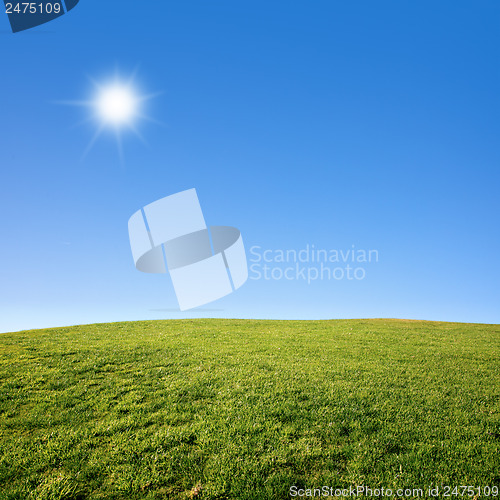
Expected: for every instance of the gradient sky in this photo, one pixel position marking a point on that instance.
(328, 123)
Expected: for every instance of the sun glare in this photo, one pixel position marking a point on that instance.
(116, 105)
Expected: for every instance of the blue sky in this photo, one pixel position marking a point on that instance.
(325, 123)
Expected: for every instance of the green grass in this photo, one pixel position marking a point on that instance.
(235, 409)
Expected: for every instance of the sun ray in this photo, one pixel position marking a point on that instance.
(138, 134)
(92, 141)
(120, 147)
(133, 75)
(94, 82)
(75, 103)
(81, 122)
(148, 97)
(151, 120)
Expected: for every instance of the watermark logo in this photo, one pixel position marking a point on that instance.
(26, 15)
(170, 235)
(311, 264)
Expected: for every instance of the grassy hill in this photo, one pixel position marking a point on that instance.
(237, 409)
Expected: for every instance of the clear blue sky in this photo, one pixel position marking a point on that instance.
(374, 124)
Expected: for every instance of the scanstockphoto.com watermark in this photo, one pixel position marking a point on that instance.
(310, 264)
(364, 491)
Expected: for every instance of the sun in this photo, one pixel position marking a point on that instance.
(117, 105)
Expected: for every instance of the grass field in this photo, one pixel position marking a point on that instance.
(236, 409)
